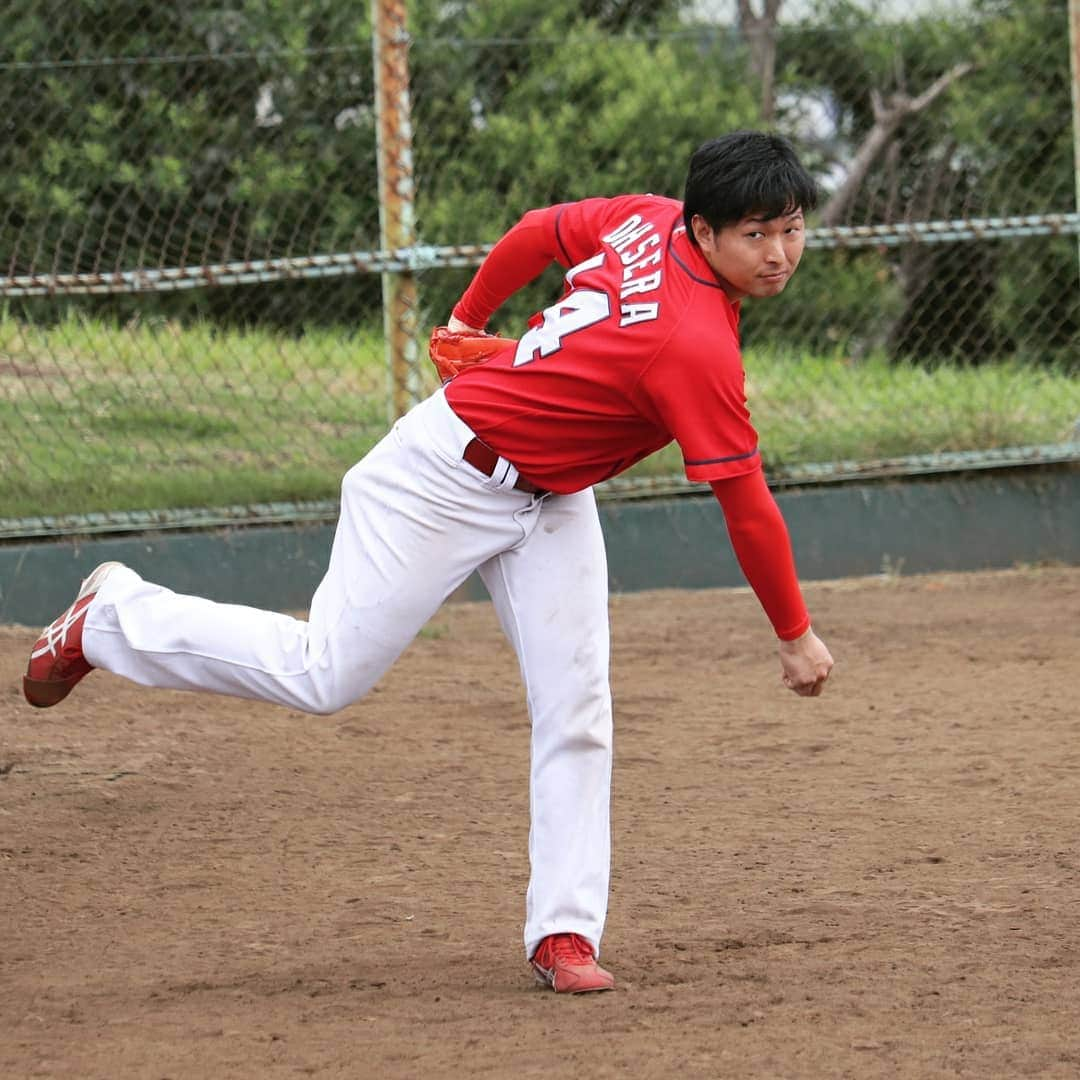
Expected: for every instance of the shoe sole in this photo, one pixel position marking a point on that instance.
(547, 981)
(43, 695)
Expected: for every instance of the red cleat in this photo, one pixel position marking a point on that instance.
(57, 662)
(567, 963)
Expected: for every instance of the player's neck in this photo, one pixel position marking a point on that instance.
(733, 294)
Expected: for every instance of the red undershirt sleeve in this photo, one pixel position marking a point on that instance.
(523, 253)
(762, 545)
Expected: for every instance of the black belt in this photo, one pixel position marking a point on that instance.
(482, 458)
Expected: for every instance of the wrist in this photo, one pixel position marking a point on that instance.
(459, 326)
(463, 319)
(796, 633)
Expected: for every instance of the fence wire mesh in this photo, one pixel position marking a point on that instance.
(219, 222)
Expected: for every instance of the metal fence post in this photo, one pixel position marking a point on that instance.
(390, 42)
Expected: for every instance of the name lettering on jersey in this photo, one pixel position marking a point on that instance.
(645, 253)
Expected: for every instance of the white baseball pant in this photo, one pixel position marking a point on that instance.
(415, 521)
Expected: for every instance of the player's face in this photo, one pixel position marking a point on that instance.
(753, 257)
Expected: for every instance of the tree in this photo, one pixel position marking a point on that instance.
(889, 114)
(544, 108)
(935, 119)
(146, 136)
(759, 32)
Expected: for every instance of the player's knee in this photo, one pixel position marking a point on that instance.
(322, 708)
(591, 699)
(324, 698)
(583, 720)
(590, 740)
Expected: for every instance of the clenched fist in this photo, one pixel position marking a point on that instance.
(806, 664)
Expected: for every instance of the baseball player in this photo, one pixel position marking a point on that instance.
(494, 472)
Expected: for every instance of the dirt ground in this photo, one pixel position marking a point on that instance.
(883, 882)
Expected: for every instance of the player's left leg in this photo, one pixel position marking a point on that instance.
(551, 595)
(415, 521)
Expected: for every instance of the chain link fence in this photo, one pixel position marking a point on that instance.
(226, 231)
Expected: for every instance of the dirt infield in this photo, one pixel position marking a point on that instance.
(883, 882)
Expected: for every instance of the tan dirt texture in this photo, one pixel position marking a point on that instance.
(882, 882)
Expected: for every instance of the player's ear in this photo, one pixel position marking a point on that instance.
(703, 231)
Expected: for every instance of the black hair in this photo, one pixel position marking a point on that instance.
(744, 173)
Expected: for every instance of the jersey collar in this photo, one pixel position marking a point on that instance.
(687, 256)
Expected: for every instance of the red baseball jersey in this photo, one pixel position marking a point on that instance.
(642, 348)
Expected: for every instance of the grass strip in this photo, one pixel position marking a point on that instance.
(96, 417)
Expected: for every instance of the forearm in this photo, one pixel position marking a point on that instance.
(762, 546)
(521, 255)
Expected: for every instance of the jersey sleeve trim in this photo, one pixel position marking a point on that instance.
(719, 460)
(724, 468)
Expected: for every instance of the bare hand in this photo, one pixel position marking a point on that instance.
(806, 663)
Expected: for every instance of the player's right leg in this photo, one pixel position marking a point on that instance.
(551, 596)
(413, 525)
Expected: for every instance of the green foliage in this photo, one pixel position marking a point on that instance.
(143, 135)
(193, 133)
(562, 115)
(839, 301)
(993, 144)
(1010, 123)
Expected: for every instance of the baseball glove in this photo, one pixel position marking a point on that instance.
(452, 352)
